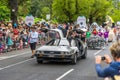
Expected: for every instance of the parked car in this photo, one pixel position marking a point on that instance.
(62, 49)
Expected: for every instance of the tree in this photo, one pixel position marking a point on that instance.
(69, 10)
(14, 10)
(45, 11)
(94, 10)
(115, 12)
(64, 10)
(38, 5)
(4, 11)
(24, 7)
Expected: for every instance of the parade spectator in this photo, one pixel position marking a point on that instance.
(64, 30)
(114, 66)
(106, 36)
(1, 47)
(20, 43)
(1, 34)
(69, 31)
(9, 42)
(15, 32)
(118, 33)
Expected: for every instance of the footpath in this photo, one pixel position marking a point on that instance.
(15, 53)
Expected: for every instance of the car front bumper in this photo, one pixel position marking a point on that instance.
(52, 57)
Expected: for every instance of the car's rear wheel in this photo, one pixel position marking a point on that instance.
(84, 56)
(74, 61)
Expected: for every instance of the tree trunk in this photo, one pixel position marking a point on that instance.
(14, 10)
(90, 19)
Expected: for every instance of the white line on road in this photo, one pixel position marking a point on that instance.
(2, 58)
(16, 64)
(98, 52)
(65, 74)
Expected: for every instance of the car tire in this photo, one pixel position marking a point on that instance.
(74, 60)
(39, 61)
(84, 56)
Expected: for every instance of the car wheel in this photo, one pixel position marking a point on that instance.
(39, 61)
(84, 56)
(74, 61)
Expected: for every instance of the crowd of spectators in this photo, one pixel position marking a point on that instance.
(16, 37)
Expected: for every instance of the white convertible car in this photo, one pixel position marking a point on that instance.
(61, 49)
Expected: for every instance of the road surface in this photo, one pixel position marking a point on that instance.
(18, 65)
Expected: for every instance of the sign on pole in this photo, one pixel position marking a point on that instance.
(48, 17)
(29, 20)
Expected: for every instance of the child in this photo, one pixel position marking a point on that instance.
(21, 43)
(9, 42)
(1, 47)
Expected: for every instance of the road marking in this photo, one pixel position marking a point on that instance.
(98, 52)
(2, 58)
(16, 64)
(65, 74)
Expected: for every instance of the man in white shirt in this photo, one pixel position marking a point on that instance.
(33, 40)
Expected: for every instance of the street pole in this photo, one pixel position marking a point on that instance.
(14, 11)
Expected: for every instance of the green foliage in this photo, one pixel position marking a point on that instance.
(4, 11)
(24, 8)
(64, 10)
(45, 11)
(37, 20)
(95, 10)
(115, 12)
(37, 7)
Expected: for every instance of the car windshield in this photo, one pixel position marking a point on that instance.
(58, 42)
(64, 42)
(52, 35)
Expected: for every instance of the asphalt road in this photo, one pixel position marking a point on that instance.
(18, 65)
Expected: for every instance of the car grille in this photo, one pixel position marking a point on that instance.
(51, 52)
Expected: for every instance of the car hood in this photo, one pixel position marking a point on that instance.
(54, 48)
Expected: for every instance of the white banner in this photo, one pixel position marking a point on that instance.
(81, 20)
(29, 20)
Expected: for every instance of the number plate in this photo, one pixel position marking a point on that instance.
(51, 55)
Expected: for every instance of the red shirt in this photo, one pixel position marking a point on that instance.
(15, 31)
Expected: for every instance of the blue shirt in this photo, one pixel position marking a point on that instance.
(110, 71)
(33, 37)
